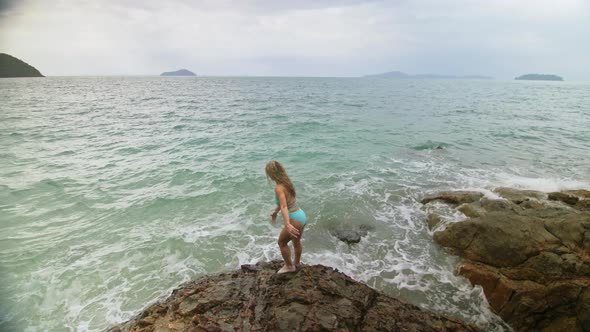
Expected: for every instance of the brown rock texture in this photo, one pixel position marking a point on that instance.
(530, 252)
(255, 298)
(454, 197)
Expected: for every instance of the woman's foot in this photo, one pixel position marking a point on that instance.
(286, 269)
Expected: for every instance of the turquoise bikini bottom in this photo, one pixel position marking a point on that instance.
(298, 215)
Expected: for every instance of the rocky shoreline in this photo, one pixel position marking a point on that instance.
(528, 250)
(255, 298)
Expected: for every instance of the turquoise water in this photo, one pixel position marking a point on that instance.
(115, 190)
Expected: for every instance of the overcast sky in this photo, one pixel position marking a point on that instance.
(501, 38)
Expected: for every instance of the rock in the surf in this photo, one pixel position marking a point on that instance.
(519, 196)
(530, 252)
(434, 220)
(352, 235)
(454, 197)
(255, 298)
(564, 197)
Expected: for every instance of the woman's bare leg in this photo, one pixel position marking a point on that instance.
(297, 247)
(283, 242)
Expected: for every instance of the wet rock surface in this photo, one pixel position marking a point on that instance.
(454, 197)
(255, 298)
(353, 235)
(530, 252)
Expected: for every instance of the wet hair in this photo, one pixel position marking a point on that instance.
(277, 173)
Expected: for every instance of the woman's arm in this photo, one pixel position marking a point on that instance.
(273, 215)
(285, 211)
(276, 211)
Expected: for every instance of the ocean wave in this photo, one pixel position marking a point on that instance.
(152, 191)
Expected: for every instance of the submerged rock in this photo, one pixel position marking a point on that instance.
(454, 197)
(564, 197)
(353, 235)
(315, 298)
(434, 220)
(519, 196)
(348, 236)
(530, 252)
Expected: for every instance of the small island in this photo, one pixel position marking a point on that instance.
(539, 77)
(180, 72)
(13, 67)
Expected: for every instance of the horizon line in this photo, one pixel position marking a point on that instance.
(457, 77)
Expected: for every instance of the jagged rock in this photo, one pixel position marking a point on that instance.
(471, 210)
(583, 205)
(583, 196)
(566, 198)
(454, 197)
(570, 230)
(495, 205)
(581, 193)
(499, 239)
(351, 236)
(348, 236)
(583, 310)
(519, 196)
(433, 221)
(315, 298)
(532, 204)
(531, 255)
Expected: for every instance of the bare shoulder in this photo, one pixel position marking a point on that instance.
(279, 188)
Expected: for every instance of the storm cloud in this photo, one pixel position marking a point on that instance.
(6, 5)
(500, 38)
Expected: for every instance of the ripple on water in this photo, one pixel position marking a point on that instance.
(109, 200)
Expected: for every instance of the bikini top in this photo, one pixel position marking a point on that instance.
(290, 207)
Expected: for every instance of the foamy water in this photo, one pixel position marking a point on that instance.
(116, 190)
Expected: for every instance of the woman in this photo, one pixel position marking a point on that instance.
(293, 217)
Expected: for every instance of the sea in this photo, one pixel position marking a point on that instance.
(116, 190)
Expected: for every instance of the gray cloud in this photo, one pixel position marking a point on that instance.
(6, 5)
(319, 38)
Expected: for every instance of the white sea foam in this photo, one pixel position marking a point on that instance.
(541, 184)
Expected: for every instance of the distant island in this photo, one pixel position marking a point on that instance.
(539, 77)
(402, 75)
(180, 72)
(13, 67)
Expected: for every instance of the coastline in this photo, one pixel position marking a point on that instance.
(528, 250)
(311, 299)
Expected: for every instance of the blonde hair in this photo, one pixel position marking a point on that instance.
(276, 172)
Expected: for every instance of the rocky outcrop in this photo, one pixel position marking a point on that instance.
(530, 252)
(353, 235)
(13, 67)
(255, 298)
(454, 197)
